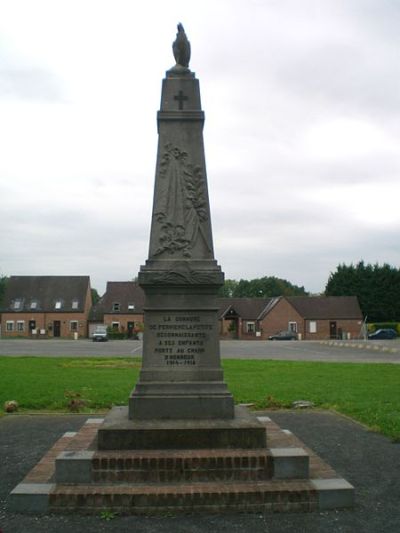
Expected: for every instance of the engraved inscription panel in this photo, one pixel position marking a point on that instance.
(181, 339)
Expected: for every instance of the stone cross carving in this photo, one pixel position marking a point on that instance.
(180, 97)
(181, 48)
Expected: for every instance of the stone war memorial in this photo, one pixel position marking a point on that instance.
(180, 444)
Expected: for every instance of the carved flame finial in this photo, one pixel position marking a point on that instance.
(181, 48)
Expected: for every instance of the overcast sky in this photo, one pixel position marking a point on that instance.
(302, 133)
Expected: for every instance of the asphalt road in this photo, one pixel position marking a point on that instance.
(337, 351)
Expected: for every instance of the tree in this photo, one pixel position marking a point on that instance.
(376, 287)
(3, 285)
(228, 288)
(260, 288)
(95, 296)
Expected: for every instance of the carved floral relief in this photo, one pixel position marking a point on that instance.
(181, 209)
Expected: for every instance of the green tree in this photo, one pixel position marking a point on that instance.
(95, 296)
(3, 285)
(377, 288)
(261, 288)
(228, 288)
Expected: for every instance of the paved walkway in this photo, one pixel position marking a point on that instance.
(367, 460)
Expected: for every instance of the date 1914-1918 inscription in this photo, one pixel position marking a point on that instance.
(180, 339)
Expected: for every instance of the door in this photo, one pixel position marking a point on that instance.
(56, 328)
(130, 326)
(332, 330)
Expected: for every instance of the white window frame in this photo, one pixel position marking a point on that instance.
(312, 326)
(292, 326)
(17, 304)
(20, 325)
(58, 304)
(115, 326)
(131, 306)
(250, 327)
(10, 325)
(75, 304)
(33, 304)
(116, 307)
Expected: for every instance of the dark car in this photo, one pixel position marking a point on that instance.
(283, 336)
(383, 334)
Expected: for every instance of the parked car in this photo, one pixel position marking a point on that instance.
(100, 334)
(383, 334)
(283, 336)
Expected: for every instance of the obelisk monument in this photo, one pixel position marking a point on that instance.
(181, 376)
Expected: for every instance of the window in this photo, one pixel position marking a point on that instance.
(131, 307)
(34, 304)
(10, 325)
(58, 304)
(250, 327)
(116, 306)
(293, 327)
(115, 326)
(312, 326)
(21, 325)
(73, 325)
(17, 304)
(75, 304)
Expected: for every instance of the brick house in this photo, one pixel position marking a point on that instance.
(46, 306)
(121, 308)
(324, 317)
(239, 318)
(311, 317)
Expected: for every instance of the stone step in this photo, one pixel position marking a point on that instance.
(72, 456)
(265, 496)
(84, 466)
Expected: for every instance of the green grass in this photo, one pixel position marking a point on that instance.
(41, 383)
(369, 393)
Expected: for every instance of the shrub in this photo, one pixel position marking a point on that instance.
(373, 326)
(115, 334)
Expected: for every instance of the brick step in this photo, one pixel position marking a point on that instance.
(83, 466)
(200, 465)
(265, 496)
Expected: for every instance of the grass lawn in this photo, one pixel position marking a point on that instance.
(369, 393)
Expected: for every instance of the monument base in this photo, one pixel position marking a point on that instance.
(77, 477)
(189, 401)
(118, 432)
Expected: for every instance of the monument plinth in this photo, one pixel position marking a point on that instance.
(181, 376)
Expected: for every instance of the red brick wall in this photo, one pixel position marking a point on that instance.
(45, 321)
(278, 319)
(225, 325)
(123, 320)
(347, 327)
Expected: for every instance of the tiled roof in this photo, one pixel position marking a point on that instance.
(121, 297)
(246, 308)
(317, 307)
(46, 294)
(326, 307)
(128, 293)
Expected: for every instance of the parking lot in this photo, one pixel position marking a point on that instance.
(329, 351)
